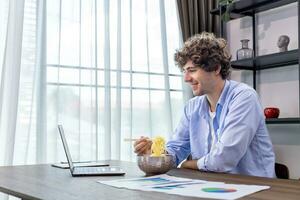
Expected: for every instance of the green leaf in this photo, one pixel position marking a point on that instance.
(228, 3)
(225, 17)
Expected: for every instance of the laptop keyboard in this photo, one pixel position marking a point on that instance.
(94, 170)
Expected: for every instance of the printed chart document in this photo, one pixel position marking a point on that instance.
(186, 187)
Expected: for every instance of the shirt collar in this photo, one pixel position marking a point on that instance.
(204, 111)
(223, 95)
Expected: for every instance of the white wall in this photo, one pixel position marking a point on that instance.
(277, 87)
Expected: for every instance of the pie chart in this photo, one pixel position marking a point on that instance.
(218, 190)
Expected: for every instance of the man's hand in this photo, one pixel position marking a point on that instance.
(189, 164)
(142, 146)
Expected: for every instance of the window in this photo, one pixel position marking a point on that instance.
(111, 74)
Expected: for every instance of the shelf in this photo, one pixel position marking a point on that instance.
(246, 64)
(295, 120)
(268, 61)
(248, 8)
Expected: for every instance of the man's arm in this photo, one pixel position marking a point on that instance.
(240, 126)
(179, 145)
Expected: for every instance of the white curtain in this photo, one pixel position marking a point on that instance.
(21, 49)
(103, 69)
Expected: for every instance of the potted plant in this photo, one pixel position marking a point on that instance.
(228, 5)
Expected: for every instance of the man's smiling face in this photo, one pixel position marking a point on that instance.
(200, 81)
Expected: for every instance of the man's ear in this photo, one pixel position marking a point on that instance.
(218, 70)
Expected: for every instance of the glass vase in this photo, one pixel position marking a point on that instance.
(245, 51)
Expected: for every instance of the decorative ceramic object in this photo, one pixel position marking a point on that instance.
(245, 51)
(283, 42)
(271, 112)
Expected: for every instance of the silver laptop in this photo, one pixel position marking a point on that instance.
(87, 171)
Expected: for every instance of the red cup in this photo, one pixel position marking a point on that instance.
(271, 112)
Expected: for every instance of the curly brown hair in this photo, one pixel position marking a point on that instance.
(205, 51)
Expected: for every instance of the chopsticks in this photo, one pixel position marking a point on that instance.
(134, 139)
(130, 139)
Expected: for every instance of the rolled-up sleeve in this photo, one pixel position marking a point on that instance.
(179, 145)
(239, 127)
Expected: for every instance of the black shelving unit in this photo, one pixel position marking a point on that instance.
(250, 8)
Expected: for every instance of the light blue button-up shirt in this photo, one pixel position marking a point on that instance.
(243, 145)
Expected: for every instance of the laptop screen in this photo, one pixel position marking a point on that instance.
(64, 141)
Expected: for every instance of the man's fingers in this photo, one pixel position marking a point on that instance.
(142, 139)
(145, 148)
(140, 146)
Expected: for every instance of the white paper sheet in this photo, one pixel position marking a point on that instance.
(186, 187)
(150, 183)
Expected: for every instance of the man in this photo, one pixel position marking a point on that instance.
(223, 127)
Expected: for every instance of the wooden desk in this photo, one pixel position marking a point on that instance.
(46, 182)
